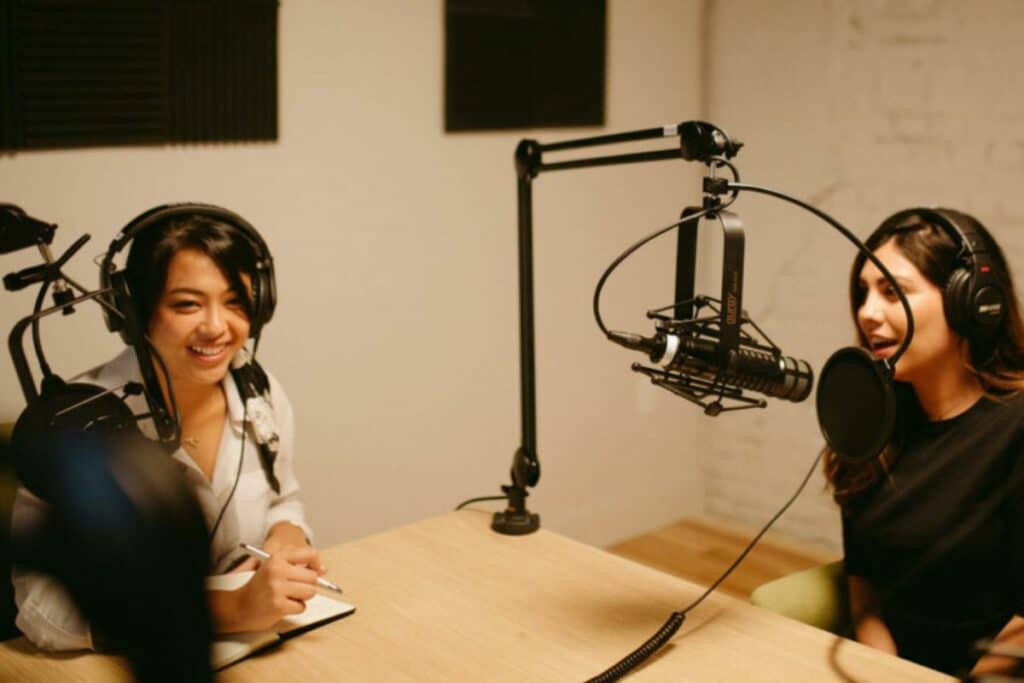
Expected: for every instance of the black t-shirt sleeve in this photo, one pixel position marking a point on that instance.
(1013, 509)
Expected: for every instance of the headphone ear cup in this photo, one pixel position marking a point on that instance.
(956, 302)
(264, 298)
(112, 319)
(988, 310)
(121, 300)
(268, 295)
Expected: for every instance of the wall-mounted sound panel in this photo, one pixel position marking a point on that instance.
(524, 63)
(77, 73)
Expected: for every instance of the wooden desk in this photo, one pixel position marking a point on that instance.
(447, 599)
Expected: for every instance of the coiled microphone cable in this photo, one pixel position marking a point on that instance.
(639, 655)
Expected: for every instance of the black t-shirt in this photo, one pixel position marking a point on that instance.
(941, 538)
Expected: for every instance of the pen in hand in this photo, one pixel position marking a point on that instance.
(263, 555)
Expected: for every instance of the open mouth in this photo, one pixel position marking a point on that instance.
(208, 354)
(880, 345)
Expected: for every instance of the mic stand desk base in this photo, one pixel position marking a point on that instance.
(515, 520)
(514, 523)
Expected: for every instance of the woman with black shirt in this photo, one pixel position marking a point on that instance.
(933, 529)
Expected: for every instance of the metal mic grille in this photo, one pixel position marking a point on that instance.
(777, 376)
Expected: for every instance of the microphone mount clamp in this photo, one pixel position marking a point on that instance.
(696, 389)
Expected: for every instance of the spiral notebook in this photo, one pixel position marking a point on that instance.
(230, 648)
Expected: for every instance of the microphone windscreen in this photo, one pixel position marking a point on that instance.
(856, 405)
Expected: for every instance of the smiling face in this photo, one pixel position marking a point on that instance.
(198, 323)
(883, 323)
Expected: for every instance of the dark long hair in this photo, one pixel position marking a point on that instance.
(153, 248)
(997, 363)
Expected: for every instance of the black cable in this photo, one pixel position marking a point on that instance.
(170, 387)
(657, 233)
(238, 474)
(638, 656)
(624, 255)
(37, 340)
(761, 533)
(478, 500)
(241, 453)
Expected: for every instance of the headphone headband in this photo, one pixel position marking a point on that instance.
(973, 298)
(959, 226)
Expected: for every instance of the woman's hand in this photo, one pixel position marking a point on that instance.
(285, 535)
(1013, 635)
(873, 632)
(282, 536)
(868, 625)
(280, 587)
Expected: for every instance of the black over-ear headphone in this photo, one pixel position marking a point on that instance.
(264, 290)
(973, 299)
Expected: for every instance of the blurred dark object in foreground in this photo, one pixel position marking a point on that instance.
(126, 536)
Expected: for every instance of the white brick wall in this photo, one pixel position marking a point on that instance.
(863, 107)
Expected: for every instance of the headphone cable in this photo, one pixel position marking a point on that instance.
(238, 473)
(241, 452)
(657, 233)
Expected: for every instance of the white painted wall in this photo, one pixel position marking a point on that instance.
(396, 333)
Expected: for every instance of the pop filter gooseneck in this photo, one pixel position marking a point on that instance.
(856, 400)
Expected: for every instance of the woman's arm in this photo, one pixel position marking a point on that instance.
(868, 625)
(46, 613)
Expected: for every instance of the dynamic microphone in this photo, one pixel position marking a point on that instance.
(745, 367)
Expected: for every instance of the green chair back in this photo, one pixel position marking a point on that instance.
(816, 596)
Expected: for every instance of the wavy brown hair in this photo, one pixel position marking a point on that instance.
(998, 363)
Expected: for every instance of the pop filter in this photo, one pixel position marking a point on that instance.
(856, 404)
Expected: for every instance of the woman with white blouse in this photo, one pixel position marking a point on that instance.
(191, 281)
